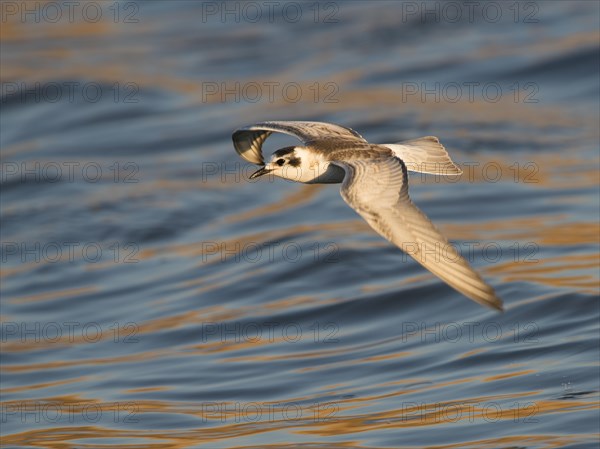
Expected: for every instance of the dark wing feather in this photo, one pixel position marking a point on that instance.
(248, 141)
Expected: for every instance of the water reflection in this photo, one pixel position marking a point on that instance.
(204, 332)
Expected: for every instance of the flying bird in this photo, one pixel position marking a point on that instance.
(374, 180)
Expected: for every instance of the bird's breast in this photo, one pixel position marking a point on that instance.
(324, 174)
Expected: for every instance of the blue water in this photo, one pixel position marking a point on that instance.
(153, 296)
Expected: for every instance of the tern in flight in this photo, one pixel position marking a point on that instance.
(374, 180)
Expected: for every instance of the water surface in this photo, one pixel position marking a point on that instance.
(153, 296)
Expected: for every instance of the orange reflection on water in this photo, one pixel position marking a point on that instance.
(554, 271)
(53, 295)
(227, 421)
(57, 364)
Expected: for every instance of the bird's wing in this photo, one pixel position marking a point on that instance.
(425, 155)
(376, 186)
(248, 141)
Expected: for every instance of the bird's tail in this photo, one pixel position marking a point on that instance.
(425, 155)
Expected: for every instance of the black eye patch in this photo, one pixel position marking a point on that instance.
(280, 162)
(283, 151)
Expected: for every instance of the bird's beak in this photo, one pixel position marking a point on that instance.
(260, 172)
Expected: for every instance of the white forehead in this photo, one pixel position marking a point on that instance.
(308, 156)
(303, 153)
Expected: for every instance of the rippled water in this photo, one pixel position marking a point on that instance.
(153, 296)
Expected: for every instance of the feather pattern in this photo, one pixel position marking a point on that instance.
(377, 188)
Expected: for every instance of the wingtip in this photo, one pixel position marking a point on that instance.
(498, 307)
(457, 171)
(496, 304)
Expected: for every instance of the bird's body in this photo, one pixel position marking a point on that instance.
(374, 181)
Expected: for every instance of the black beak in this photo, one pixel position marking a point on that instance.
(260, 172)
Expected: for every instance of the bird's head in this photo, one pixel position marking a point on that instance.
(285, 163)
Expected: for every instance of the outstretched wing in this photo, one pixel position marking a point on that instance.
(248, 141)
(376, 186)
(425, 155)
